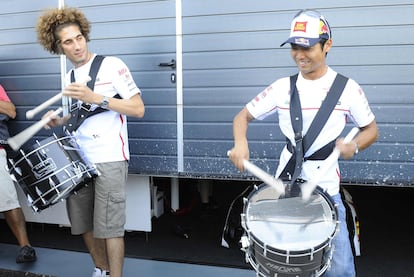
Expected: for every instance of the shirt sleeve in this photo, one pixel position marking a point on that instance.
(3, 95)
(359, 110)
(123, 81)
(270, 99)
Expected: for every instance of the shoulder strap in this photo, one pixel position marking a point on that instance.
(295, 108)
(297, 125)
(93, 71)
(79, 115)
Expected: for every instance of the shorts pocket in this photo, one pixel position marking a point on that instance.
(116, 212)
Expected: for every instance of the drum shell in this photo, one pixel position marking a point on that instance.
(273, 260)
(50, 170)
(270, 261)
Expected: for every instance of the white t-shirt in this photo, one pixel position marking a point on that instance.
(104, 137)
(352, 105)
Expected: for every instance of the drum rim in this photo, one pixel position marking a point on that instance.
(257, 266)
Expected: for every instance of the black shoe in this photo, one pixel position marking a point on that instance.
(26, 254)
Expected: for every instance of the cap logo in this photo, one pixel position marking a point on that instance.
(302, 41)
(300, 27)
(323, 28)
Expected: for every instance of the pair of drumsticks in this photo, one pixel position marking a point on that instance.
(308, 187)
(18, 140)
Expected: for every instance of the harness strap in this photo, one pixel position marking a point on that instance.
(79, 114)
(297, 125)
(294, 166)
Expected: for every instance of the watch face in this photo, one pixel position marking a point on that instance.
(105, 102)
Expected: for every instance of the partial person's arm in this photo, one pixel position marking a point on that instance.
(8, 109)
(240, 151)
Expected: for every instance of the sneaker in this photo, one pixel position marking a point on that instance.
(26, 254)
(97, 272)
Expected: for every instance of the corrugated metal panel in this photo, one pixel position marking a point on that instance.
(230, 53)
(142, 33)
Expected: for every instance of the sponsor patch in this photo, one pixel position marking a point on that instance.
(302, 41)
(300, 27)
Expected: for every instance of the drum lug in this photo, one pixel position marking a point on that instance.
(29, 200)
(35, 209)
(312, 253)
(243, 221)
(18, 170)
(11, 162)
(244, 240)
(13, 178)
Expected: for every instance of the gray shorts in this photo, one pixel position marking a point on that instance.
(100, 206)
(8, 194)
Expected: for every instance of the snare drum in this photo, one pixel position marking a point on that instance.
(50, 170)
(288, 236)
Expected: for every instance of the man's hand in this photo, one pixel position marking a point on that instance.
(55, 120)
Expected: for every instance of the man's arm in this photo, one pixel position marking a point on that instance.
(366, 136)
(240, 150)
(133, 106)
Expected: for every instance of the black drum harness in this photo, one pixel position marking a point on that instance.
(79, 114)
(293, 168)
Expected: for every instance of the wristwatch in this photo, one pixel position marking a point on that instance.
(105, 102)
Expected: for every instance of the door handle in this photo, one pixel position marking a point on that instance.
(171, 64)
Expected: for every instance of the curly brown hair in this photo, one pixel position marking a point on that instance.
(53, 20)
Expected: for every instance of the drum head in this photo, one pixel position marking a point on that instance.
(290, 223)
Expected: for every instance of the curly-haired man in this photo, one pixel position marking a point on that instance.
(97, 211)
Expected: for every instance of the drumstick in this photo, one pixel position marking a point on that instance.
(18, 140)
(308, 187)
(268, 179)
(31, 113)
